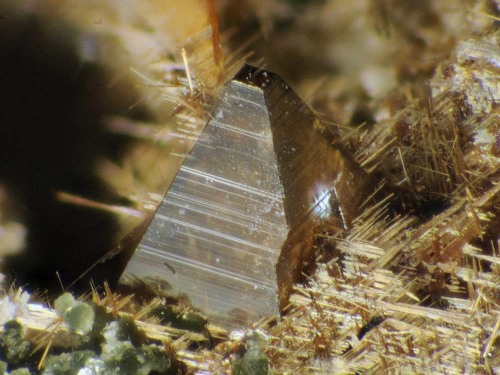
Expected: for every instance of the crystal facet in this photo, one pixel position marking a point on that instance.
(234, 229)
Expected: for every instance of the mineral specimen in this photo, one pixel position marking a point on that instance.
(234, 229)
(78, 315)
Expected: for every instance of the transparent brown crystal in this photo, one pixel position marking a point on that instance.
(235, 227)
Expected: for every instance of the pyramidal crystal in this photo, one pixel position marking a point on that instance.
(234, 230)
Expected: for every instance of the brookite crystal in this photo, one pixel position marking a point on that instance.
(235, 226)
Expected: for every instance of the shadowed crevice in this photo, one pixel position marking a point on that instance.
(51, 138)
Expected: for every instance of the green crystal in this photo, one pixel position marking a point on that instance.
(128, 331)
(188, 321)
(67, 363)
(14, 349)
(64, 303)
(254, 361)
(80, 318)
(21, 371)
(120, 356)
(78, 315)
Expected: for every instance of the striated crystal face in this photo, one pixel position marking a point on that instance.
(234, 228)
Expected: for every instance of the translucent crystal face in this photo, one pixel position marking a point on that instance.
(233, 229)
(222, 220)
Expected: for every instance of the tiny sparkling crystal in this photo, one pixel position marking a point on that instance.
(234, 229)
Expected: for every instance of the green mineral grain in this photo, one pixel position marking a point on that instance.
(128, 331)
(121, 358)
(253, 362)
(79, 316)
(117, 344)
(64, 303)
(67, 363)
(188, 321)
(193, 322)
(21, 371)
(157, 361)
(125, 359)
(121, 355)
(14, 349)
(146, 360)
(102, 317)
